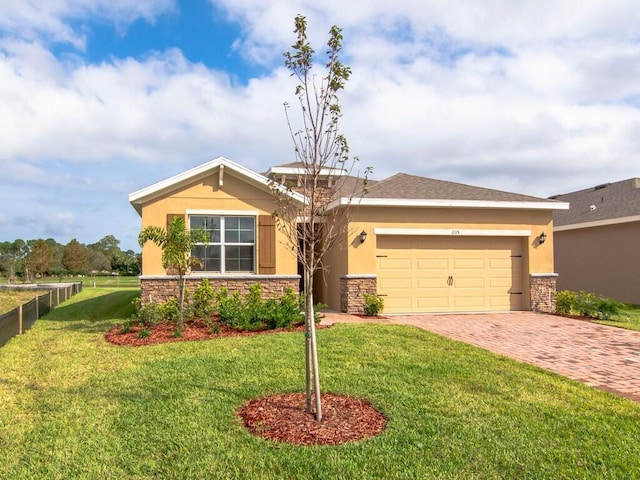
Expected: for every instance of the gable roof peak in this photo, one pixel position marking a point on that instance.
(146, 194)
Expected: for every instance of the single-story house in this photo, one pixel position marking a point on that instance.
(424, 245)
(597, 246)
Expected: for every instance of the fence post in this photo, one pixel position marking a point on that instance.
(37, 309)
(20, 319)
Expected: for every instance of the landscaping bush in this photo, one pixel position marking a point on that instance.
(203, 301)
(149, 314)
(607, 308)
(565, 302)
(285, 312)
(373, 304)
(587, 305)
(171, 310)
(256, 313)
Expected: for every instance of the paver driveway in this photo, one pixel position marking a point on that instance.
(598, 355)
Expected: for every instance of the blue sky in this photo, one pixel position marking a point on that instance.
(100, 98)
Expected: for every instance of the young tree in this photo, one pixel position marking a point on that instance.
(320, 150)
(176, 243)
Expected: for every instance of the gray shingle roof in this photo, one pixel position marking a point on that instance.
(600, 203)
(404, 186)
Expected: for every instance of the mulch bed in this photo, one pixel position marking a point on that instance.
(192, 330)
(283, 418)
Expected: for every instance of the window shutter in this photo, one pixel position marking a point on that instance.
(266, 245)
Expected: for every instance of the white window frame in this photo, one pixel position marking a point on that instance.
(223, 214)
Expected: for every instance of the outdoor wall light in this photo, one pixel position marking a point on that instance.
(363, 236)
(542, 238)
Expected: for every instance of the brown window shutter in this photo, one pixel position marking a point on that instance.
(171, 216)
(266, 245)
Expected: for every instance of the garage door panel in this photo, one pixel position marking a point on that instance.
(461, 283)
(440, 303)
(396, 284)
(438, 264)
(398, 304)
(436, 283)
(468, 264)
(466, 302)
(440, 274)
(398, 264)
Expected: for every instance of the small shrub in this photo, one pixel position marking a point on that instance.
(203, 301)
(256, 313)
(373, 304)
(215, 328)
(586, 305)
(285, 312)
(607, 308)
(565, 302)
(149, 314)
(126, 326)
(230, 308)
(144, 333)
(317, 315)
(171, 310)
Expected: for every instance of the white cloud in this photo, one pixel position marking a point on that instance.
(50, 19)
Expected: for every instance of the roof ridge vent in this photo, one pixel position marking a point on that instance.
(601, 186)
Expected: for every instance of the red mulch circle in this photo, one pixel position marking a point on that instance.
(283, 418)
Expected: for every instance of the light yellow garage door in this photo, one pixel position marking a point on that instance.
(449, 274)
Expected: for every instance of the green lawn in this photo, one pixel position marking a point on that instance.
(74, 406)
(628, 318)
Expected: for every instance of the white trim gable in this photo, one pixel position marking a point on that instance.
(146, 194)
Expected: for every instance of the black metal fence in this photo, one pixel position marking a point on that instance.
(24, 317)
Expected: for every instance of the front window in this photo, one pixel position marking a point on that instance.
(231, 247)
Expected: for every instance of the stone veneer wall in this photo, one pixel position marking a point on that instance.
(352, 288)
(160, 288)
(543, 292)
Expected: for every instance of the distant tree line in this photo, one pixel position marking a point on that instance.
(31, 259)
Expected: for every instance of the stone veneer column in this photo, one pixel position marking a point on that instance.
(352, 288)
(542, 292)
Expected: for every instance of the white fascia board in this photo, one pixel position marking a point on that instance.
(598, 223)
(437, 203)
(138, 197)
(456, 232)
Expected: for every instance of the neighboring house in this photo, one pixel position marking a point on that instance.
(598, 241)
(424, 245)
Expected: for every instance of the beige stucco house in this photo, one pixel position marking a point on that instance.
(598, 241)
(429, 245)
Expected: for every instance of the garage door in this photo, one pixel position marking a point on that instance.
(449, 274)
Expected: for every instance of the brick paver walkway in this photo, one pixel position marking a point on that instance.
(598, 355)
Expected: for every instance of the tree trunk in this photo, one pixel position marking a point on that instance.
(313, 370)
(181, 282)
